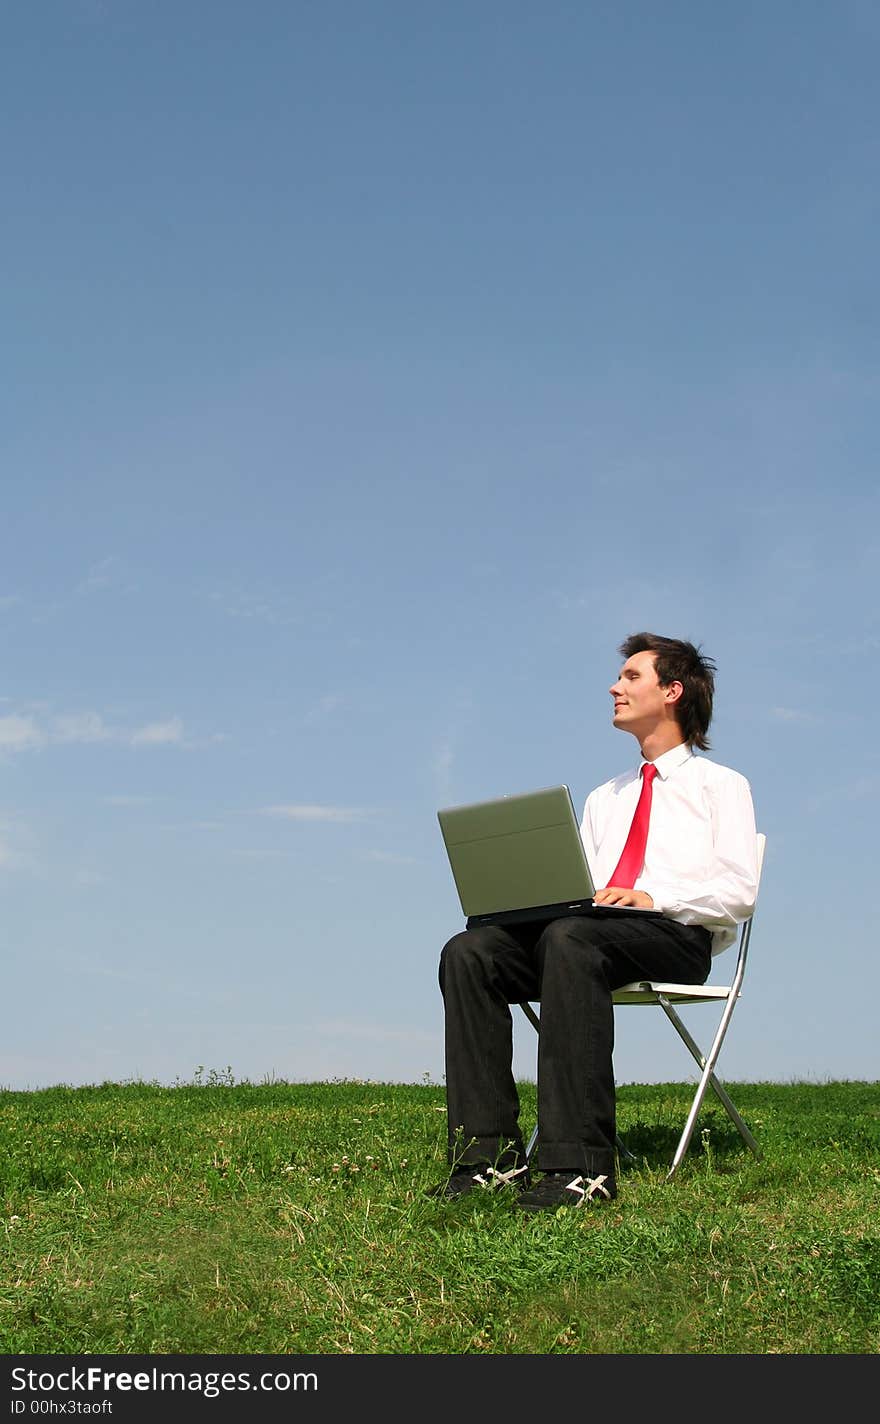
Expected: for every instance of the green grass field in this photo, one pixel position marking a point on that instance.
(217, 1217)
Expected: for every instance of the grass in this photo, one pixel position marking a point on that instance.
(216, 1217)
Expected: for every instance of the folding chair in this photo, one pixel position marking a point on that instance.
(666, 996)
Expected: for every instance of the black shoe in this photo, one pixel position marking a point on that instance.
(557, 1189)
(479, 1176)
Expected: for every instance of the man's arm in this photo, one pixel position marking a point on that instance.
(724, 894)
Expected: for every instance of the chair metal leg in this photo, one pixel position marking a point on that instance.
(707, 1064)
(623, 1151)
(535, 1021)
(532, 1017)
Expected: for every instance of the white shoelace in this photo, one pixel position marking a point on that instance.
(502, 1179)
(586, 1188)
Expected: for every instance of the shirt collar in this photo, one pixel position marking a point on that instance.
(670, 761)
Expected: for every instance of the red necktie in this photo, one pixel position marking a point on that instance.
(633, 856)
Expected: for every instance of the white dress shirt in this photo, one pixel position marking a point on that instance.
(701, 859)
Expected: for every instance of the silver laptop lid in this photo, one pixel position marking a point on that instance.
(516, 852)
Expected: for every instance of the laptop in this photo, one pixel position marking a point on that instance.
(521, 857)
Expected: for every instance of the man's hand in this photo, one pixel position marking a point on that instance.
(620, 895)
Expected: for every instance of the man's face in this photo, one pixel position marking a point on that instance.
(640, 703)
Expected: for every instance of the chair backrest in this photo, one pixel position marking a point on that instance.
(745, 933)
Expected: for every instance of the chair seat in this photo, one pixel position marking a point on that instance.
(647, 991)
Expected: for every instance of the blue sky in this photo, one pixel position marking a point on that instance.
(370, 371)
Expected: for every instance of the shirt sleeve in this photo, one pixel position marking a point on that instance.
(724, 893)
(588, 827)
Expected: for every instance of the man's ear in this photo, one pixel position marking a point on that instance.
(673, 691)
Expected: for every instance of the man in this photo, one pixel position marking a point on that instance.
(698, 867)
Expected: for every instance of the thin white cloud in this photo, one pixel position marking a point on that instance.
(856, 790)
(315, 813)
(156, 734)
(186, 826)
(104, 574)
(24, 731)
(791, 714)
(20, 734)
(323, 708)
(81, 727)
(255, 607)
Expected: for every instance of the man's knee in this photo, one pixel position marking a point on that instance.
(569, 929)
(574, 939)
(463, 949)
(471, 954)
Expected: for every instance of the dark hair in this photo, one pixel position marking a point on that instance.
(677, 661)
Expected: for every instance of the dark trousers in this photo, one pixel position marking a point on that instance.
(572, 966)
